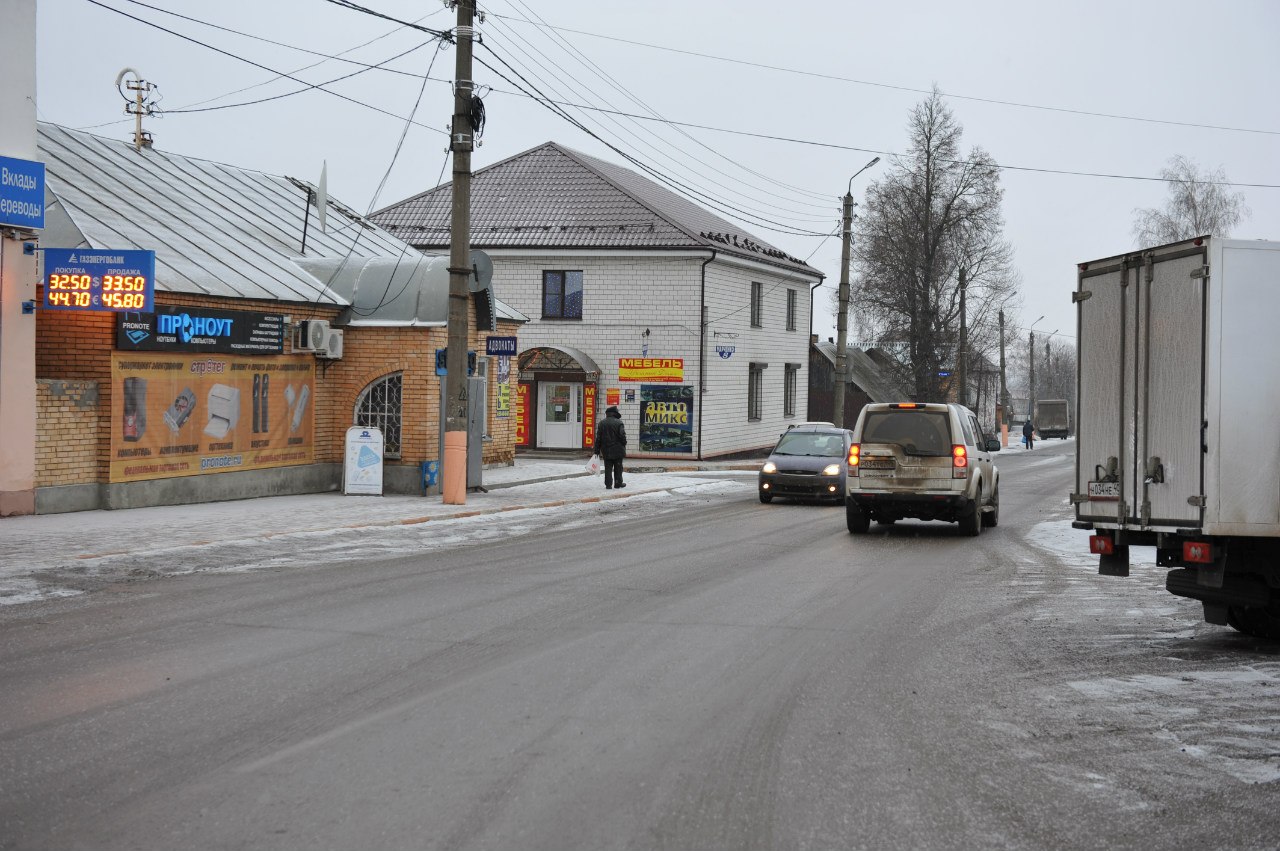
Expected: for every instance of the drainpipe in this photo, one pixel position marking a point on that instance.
(702, 346)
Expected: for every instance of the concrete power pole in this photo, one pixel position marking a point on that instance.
(462, 142)
(962, 371)
(842, 311)
(1004, 385)
(1031, 397)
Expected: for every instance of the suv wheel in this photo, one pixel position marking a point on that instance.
(991, 518)
(971, 523)
(857, 520)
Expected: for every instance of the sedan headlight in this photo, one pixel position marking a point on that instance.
(769, 467)
(831, 470)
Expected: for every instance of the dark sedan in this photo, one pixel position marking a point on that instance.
(808, 463)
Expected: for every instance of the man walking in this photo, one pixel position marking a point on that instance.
(611, 445)
(1028, 433)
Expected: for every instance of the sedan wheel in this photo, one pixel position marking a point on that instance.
(766, 497)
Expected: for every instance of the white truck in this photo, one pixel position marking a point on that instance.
(1178, 421)
(1052, 418)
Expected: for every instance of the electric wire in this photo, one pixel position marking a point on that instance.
(253, 63)
(624, 136)
(600, 72)
(837, 78)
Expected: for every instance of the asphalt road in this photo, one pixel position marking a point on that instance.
(739, 676)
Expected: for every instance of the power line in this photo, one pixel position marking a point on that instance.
(356, 7)
(840, 79)
(254, 64)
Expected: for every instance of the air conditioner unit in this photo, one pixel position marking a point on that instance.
(312, 335)
(333, 346)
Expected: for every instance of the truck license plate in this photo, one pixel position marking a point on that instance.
(1104, 490)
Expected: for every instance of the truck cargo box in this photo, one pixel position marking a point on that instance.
(1178, 421)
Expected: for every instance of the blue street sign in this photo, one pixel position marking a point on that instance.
(500, 346)
(96, 279)
(21, 193)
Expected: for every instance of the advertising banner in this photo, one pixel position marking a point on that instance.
(362, 470)
(666, 418)
(667, 370)
(503, 411)
(187, 415)
(589, 416)
(522, 414)
(612, 396)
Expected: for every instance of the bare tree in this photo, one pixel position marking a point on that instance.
(1199, 204)
(936, 211)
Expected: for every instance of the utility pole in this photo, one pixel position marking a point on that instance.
(1004, 385)
(139, 106)
(842, 300)
(962, 371)
(461, 142)
(1031, 397)
(842, 312)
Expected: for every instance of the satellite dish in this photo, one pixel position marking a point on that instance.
(482, 265)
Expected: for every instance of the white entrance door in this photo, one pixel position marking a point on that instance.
(560, 415)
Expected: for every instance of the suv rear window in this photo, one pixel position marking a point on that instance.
(917, 432)
(809, 443)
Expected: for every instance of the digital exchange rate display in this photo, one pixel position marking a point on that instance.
(99, 280)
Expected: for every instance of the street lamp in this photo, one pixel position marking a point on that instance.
(1031, 351)
(842, 300)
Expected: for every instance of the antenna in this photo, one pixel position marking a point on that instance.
(139, 105)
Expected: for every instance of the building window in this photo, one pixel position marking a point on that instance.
(791, 310)
(757, 304)
(562, 295)
(789, 390)
(379, 407)
(755, 391)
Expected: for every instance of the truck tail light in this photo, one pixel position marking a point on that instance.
(1197, 552)
(1102, 545)
(855, 452)
(959, 461)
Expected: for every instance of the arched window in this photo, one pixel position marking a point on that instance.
(379, 406)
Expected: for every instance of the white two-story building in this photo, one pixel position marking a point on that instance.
(639, 298)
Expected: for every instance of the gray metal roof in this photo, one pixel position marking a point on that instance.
(223, 231)
(555, 197)
(863, 371)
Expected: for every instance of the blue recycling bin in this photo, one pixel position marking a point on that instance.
(430, 473)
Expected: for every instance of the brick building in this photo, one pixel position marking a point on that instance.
(637, 297)
(128, 416)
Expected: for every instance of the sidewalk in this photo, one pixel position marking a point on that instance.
(83, 541)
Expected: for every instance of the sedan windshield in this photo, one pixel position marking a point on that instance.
(810, 443)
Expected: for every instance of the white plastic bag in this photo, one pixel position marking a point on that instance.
(594, 466)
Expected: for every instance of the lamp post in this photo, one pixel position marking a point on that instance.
(842, 299)
(1031, 352)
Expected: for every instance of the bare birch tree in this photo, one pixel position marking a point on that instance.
(937, 210)
(1199, 204)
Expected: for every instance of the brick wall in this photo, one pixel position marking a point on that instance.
(66, 433)
(74, 347)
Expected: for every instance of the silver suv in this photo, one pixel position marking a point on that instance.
(928, 461)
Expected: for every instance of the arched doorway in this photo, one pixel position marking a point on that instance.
(557, 398)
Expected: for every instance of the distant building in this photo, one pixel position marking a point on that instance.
(867, 381)
(697, 331)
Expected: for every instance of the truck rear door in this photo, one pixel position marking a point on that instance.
(1141, 389)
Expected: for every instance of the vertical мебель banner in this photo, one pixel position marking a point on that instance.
(666, 418)
(191, 414)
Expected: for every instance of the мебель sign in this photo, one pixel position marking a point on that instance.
(21, 193)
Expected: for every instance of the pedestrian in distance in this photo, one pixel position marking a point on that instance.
(1028, 433)
(611, 446)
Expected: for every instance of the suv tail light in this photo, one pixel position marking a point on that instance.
(855, 450)
(959, 462)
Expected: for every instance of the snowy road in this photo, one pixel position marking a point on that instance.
(681, 670)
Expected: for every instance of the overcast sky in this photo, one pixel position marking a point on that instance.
(1105, 87)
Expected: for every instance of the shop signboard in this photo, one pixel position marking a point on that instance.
(612, 396)
(503, 410)
(589, 415)
(362, 470)
(666, 370)
(192, 329)
(21, 193)
(500, 346)
(178, 414)
(522, 414)
(666, 418)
